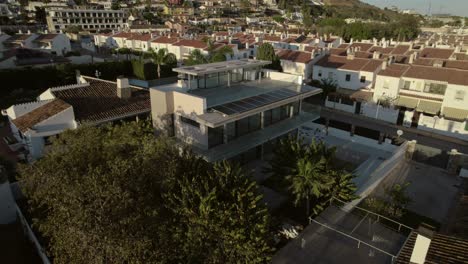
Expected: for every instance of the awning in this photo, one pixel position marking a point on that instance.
(362, 96)
(429, 107)
(407, 102)
(455, 113)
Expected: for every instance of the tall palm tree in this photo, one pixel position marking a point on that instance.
(162, 57)
(310, 179)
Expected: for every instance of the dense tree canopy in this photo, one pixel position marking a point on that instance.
(308, 172)
(120, 195)
(267, 52)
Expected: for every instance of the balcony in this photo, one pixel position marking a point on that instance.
(252, 140)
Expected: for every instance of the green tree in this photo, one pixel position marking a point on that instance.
(162, 57)
(117, 194)
(196, 57)
(308, 173)
(309, 179)
(267, 52)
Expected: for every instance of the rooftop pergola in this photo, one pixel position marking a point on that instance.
(203, 70)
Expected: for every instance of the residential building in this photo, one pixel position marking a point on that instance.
(87, 19)
(90, 101)
(232, 109)
(299, 62)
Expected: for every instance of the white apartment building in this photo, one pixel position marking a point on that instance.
(230, 110)
(91, 101)
(87, 19)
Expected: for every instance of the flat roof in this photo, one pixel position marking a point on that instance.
(202, 69)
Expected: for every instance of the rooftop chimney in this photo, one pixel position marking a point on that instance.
(411, 58)
(123, 88)
(350, 56)
(421, 246)
(438, 63)
(384, 65)
(376, 55)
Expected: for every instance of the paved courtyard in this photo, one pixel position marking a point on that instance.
(432, 189)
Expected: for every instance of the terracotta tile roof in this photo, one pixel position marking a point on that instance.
(400, 49)
(221, 33)
(295, 56)
(191, 43)
(443, 249)
(362, 46)
(42, 113)
(338, 51)
(141, 37)
(363, 54)
(45, 37)
(165, 40)
(453, 76)
(343, 46)
(17, 38)
(372, 65)
(99, 102)
(271, 38)
(310, 48)
(341, 62)
(461, 56)
(382, 50)
(394, 70)
(436, 53)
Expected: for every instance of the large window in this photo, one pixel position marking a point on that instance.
(215, 136)
(406, 85)
(243, 126)
(280, 113)
(189, 122)
(435, 88)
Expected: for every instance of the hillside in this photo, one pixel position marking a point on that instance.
(358, 9)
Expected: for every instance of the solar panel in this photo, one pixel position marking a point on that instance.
(253, 102)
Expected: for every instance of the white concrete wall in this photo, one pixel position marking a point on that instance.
(443, 126)
(339, 76)
(393, 87)
(190, 134)
(340, 106)
(285, 77)
(386, 114)
(450, 94)
(18, 110)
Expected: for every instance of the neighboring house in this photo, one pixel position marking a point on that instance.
(184, 47)
(298, 62)
(227, 110)
(425, 246)
(433, 98)
(57, 44)
(348, 72)
(91, 101)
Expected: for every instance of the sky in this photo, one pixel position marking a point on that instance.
(454, 7)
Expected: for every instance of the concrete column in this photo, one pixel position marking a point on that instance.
(327, 123)
(225, 134)
(453, 161)
(189, 82)
(411, 149)
(262, 119)
(353, 128)
(229, 79)
(381, 137)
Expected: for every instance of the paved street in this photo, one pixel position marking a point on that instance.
(422, 137)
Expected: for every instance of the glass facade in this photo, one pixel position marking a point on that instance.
(251, 124)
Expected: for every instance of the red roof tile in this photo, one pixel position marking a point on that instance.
(42, 113)
(436, 53)
(295, 56)
(99, 102)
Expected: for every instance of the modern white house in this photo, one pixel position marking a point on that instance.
(232, 109)
(90, 101)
